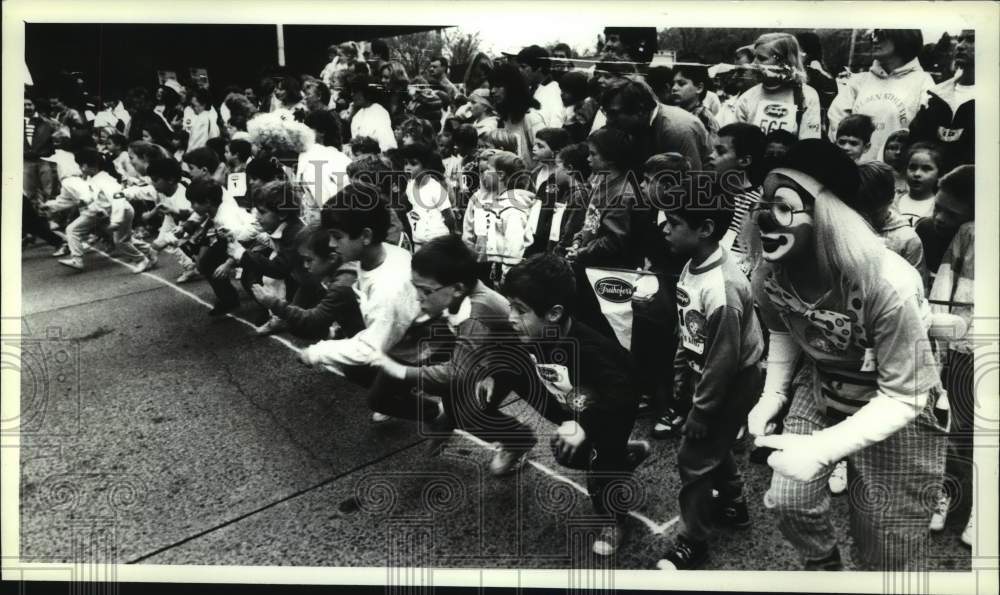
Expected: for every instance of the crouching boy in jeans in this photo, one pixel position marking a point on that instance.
(445, 277)
(717, 361)
(358, 221)
(581, 381)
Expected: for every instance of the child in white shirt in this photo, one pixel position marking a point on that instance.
(430, 207)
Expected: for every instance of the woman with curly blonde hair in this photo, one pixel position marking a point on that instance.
(782, 100)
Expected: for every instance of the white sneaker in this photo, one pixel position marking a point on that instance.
(187, 275)
(380, 417)
(940, 515)
(969, 535)
(142, 266)
(610, 539)
(273, 325)
(838, 479)
(508, 460)
(73, 263)
(62, 251)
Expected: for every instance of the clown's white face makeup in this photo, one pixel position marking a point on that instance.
(792, 237)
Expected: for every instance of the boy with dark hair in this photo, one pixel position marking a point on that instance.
(564, 202)
(358, 221)
(95, 208)
(854, 135)
(363, 145)
(221, 218)
(737, 160)
(444, 273)
(717, 362)
(534, 63)
(954, 205)
(582, 382)
(277, 206)
(201, 163)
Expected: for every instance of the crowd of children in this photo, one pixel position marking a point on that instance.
(807, 249)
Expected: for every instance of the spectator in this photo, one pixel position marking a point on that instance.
(688, 91)
(874, 202)
(369, 118)
(948, 113)
(437, 77)
(854, 136)
(40, 177)
(535, 65)
(816, 75)
(656, 128)
(890, 92)
(782, 101)
(580, 107)
(518, 111)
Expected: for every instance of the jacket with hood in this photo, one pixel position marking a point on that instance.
(902, 239)
(942, 119)
(891, 99)
(500, 228)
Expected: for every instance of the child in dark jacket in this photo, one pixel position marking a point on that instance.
(582, 382)
(564, 202)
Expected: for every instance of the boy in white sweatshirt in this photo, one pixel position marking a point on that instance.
(95, 207)
(386, 297)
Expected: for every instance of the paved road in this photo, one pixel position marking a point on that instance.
(179, 439)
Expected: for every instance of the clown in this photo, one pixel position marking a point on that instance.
(830, 292)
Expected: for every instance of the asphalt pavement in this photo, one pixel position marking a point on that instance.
(173, 438)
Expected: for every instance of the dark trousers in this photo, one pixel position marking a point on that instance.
(654, 341)
(209, 260)
(707, 463)
(958, 381)
(35, 224)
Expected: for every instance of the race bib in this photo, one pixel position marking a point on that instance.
(776, 115)
(238, 184)
(481, 224)
(557, 215)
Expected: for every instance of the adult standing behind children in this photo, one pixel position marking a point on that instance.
(517, 110)
(369, 117)
(631, 106)
(890, 92)
(535, 65)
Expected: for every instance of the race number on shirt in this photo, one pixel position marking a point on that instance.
(238, 184)
(776, 115)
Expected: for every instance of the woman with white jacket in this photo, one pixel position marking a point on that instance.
(890, 92)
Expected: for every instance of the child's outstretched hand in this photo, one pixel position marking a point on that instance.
(222, 271)
(694, 429)
(265, 296)
(568, 439)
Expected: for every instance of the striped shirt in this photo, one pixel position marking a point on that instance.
(741, 208)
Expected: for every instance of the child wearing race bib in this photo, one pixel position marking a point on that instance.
(430, 208)
(498, 223)
(782, 101)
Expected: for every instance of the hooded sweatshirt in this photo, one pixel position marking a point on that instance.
(948, 117)
(499, 228)
(902, 239)
(891, 99)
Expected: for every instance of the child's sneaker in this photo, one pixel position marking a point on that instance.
(611, 538)
(969, 535)
(685, 555)
(187, 275)
(508, 460)
(141, 266)
(273, 325)
(668, 425)
(940, 516)
(831, 562)
(838, 479)
(73, 263)
(733, 513)
(62, 251)
(636, 453)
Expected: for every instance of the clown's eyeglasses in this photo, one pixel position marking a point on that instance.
(781, 213)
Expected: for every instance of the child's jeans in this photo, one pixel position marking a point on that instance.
(80, 229)
(131, 249)
(707, 463)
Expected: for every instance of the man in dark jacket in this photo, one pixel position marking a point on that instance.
(40, 178)
(948, 114)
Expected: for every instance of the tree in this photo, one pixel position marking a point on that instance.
(415, 50)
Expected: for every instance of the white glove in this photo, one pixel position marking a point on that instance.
(803, 457)
(760, 420)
